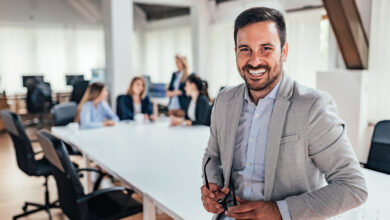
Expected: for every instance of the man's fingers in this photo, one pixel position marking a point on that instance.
(225, 190)
(207, 192)
(242, 208)
(241, 201)
(212, 206)
(243, 215)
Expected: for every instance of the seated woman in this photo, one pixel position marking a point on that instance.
(135, 102)
(198, 111)
(93, 110)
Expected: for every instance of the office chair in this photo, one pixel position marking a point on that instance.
(110, 203)
(26, 161)
(64, 114)
(38, 101)
(78, 91)
(379, 156)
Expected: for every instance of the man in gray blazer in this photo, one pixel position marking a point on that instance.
(281, 145)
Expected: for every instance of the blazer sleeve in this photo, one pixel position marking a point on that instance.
(213, 169)
(202, 111)
(124, 108)
(331, 151)
(147, 107)
(173, 78)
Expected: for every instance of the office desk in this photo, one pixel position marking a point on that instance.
(161, 163)
(164, 165)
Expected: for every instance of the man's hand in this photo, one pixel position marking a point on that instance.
(254, 210)
(211, 196)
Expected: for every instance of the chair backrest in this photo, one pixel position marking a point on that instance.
(78, 91)
(379, 156)
(64, 113)
(22, 144)
(67, 180)
(39, 99)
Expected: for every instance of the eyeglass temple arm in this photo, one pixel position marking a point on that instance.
(205, 174)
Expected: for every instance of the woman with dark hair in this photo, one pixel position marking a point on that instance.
(198, 111)
(135, 102)
(93, 110)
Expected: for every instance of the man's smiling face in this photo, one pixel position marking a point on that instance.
(259, 54)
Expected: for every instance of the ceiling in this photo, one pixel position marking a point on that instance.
(157, 12)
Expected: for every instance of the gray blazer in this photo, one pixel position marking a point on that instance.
(309, 160)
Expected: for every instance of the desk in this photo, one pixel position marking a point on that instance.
(164, 165)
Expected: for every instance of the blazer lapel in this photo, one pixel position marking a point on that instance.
(276, 126)
(233, 115)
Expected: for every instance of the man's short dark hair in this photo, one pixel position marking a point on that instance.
(260, 14)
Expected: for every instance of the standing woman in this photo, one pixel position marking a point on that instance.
(178, 99)
(135, 102)
(93, 110)
(198, 111)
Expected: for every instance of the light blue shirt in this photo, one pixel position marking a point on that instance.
(174, 103)
(248, 171)
(93, 117)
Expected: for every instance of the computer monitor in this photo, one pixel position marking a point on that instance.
(31, 79)
(72, 79)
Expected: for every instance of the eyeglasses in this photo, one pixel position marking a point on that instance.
(224, 202)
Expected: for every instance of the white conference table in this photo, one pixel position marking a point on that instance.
(163, 164)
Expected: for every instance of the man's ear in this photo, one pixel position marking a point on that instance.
(285, 52)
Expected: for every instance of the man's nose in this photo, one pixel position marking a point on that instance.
(255, 59)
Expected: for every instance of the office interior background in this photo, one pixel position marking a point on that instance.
(112, 41)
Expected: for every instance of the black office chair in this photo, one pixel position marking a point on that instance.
(379, 156)
(78, 91)
(26, 161)
(110, 203)
(64, 113)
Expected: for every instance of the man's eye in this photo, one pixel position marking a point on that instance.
(244, 50)
(267, 48)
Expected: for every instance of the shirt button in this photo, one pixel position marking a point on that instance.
(251, 139)
(249, 164)
(247, 184)
(257, 115)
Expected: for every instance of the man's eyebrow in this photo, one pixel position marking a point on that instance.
(267, 44)
(242, 45)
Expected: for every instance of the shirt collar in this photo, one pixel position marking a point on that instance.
(271, 95)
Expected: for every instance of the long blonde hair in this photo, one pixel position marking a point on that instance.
(130, 89)
(93, 91)
(184, 61)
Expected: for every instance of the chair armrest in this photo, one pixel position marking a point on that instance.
(98, 180)
(107, 192)
(38, 152)
(90, 170)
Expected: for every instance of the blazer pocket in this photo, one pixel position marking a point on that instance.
(289, 139)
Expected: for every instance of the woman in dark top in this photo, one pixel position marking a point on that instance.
(135, 102)
(178, 100)
(198, 110)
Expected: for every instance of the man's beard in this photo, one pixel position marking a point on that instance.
(269, 80)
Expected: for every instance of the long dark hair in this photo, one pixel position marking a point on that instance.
(200, 84)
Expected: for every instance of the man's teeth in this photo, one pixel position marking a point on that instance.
(257, 72)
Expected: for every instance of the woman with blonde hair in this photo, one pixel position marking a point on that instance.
(135, 101)
(178, 99)
(93, 110)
